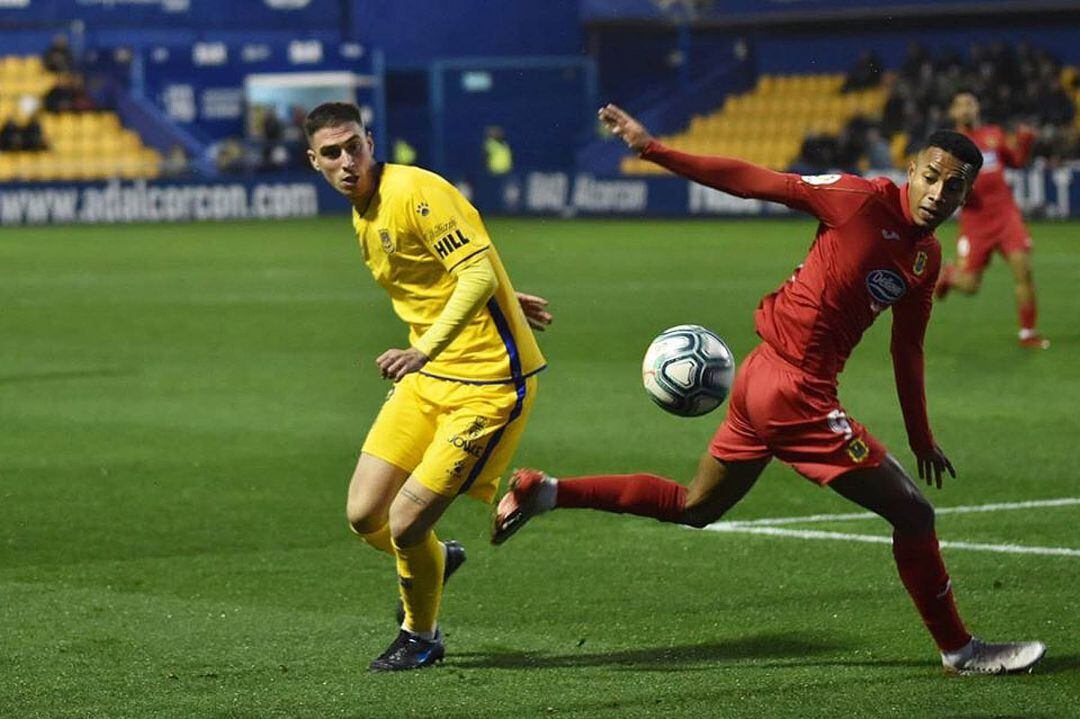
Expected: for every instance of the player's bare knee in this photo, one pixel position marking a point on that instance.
(363, 518)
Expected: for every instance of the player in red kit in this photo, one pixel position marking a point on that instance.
(991, 220)
(875, 251)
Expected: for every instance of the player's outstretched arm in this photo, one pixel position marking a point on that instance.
(735, 177)
(909, 328)
(535, 309)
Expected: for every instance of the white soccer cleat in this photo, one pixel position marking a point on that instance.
(980, 657)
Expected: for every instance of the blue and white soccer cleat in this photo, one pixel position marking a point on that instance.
(980, 657)
(410, 651)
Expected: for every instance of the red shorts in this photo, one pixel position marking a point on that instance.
(977, 244)
(776, 410)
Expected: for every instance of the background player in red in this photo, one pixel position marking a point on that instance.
(875, 250)
(991, 220)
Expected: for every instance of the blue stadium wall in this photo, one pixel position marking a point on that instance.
(1040, 192)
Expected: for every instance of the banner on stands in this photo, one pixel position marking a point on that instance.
(165, 201)
(1040, 192)
(1045, 193)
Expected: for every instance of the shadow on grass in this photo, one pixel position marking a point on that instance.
(990, 715)
(1058, 664)
(667, 658)
(63, 375)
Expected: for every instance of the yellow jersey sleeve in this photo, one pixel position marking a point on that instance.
(449, 226)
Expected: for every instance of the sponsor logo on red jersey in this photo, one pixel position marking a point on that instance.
(885, 286)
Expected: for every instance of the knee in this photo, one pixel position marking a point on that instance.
(917, 517)
(363, 517)
(407, 528)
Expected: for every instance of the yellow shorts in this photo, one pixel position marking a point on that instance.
(454, 437)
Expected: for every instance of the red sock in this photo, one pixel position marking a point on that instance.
(923, 573)
(645, 495)
(1027, 316)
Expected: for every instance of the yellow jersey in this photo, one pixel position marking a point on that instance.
(416, 230)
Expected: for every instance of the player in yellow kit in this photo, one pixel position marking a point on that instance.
(464, 386)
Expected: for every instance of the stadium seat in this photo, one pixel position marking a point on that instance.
(767, 124)
(82, 145)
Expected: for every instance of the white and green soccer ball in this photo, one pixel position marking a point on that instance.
(688, 370)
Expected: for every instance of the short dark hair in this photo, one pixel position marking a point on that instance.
(958, 145)
(332, 114)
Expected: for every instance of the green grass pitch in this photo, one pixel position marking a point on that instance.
(181, 406)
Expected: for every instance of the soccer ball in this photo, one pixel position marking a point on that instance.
(688, 370)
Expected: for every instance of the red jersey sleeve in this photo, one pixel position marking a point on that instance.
(833, 199)
(910, 318)
(1016, 154)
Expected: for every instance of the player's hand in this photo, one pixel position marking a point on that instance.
(932, 464)
(395, 364)
(1025, 129)
(624, 126)
(535, 309)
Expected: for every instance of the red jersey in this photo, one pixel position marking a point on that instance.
(991, 209)
(868, 256)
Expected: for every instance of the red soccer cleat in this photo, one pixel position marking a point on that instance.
(531, 493)
(1034, 342)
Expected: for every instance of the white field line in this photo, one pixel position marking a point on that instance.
(767, 527)
(971, 509)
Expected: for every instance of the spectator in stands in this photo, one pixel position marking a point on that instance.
(175, 162)
(33, 138)
(878, 154)
(22, 137)
(10, 136)
(1055, 107)
(230, 156)
(851, 144)
(865, 73)
(57, 57)
(1012, 85)
(275, 154)
(500, 159)
(913, 62)
(819, 153)
(58, 99)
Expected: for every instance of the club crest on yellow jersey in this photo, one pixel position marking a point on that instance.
(387, 241)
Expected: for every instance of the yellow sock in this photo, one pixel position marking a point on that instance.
(380, 539)
(420, 575)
